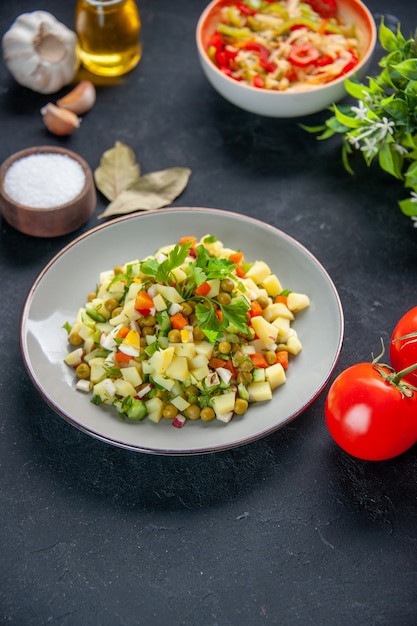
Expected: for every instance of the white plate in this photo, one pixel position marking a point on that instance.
(63, 285)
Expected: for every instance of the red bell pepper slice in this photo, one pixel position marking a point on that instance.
(243, 8)
(324, 60)
(350, 64)
(302, 55)
(325, 8)
(258, 81)
(216, 41)
(263, 55)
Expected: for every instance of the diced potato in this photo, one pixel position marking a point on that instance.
(154, 407)
(283, 326)
(251, 289)
(178, 368)
(184, 349)
(180, 402)
(74, 358)
(200, 372)
(147, 367)
(204, 347)
(224, 403)
(179, 274)
(200, 360)
(170, 294)
(163, 381)
(214, 288)
(258, 272)
(85, 332)
(129, 311)
(89, 344)
(278, 309)
(275, 375)
(272, 285)
(133, 292)
(161, 360)
(105, 389)
(266, 332)
(297, 301)
(294, 345)
(97, 369)
(260, 392)
(106, 277)
(132, 375)
(159, 302)
(124, 388)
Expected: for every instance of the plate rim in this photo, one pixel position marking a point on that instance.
(165, 451)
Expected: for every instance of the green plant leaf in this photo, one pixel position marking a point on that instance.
(356, 90)
(408, 69)
(346, 120)
(390, 161)
(387, 38)
(408, 207)
(411, 176)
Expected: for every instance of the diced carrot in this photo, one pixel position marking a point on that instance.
(240, 272)
(184, 240)
(121, 357)
(281, 299)
(236, 257)
(178, 321)
(203, 289)
(219, 314)
(215, 362)
(143, 302)
(255, 308)
(229, 366)
(322, 27)
(122, 332)
(259, 360)
(282, 357)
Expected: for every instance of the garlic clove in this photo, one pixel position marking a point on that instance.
(81, 99)
(59, 121)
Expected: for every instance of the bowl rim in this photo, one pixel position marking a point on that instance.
(45, 149)
(269, 93)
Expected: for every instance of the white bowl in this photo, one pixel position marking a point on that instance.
(280, 103)
(61, 289)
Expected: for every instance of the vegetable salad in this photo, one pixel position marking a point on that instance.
(283, 46)
(194, 332)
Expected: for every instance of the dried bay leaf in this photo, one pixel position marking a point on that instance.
(151, 191)
(118, 170)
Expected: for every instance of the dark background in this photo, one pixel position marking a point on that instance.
(286, 530)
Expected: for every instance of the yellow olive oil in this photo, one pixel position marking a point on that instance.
(108, 35)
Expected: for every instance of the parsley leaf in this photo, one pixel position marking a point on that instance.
(235, 314)
(212, 266)
(162, 271)
(209, 322)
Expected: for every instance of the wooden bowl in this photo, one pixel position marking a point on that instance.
(48, 221)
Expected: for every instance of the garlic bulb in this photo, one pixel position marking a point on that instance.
(40, 52)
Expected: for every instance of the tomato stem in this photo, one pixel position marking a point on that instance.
(395, 378)
(411, 336)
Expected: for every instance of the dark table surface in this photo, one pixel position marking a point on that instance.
(285, 530)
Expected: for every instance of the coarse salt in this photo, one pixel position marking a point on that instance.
(44, 180)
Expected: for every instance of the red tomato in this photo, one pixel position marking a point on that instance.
(325, 8)
(302, 55)
(403, 353)
(368, 416)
